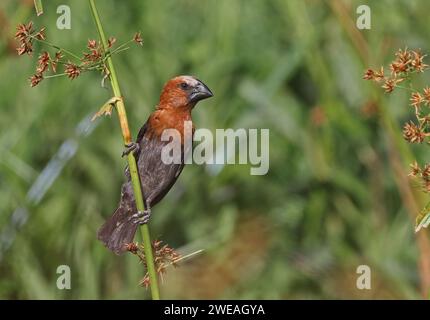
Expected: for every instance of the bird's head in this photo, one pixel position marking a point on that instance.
(183, 92)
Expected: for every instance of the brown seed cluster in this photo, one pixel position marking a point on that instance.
(44, 62)
(72, 70)
(132, 247)
(25, 35)
(35, 79)
(405, 63)
(422, 173)
(95, 54)
(417, 133)
(413, 133)
(92, 59)
(138, 38)
(163, 257)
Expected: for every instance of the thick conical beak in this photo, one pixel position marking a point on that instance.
(200, 92)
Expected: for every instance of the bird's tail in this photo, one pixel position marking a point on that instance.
(119, 229)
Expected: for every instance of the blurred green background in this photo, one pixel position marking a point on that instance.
(336, 196)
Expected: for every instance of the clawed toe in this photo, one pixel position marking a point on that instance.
(142, 217)
(133, 146)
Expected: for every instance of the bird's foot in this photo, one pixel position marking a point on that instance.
(141, 217)
(132, 146)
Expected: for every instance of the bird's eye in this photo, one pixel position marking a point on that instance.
(184, 85)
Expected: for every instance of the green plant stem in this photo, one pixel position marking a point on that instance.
(131, 159)
(39, 7)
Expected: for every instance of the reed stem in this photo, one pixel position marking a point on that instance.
(135, 179)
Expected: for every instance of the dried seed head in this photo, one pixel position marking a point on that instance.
(95, 54)
(24, 31)
(58, 55)
(391, 83)
(412, 133)
(132, 247)
(417, 62)
(24, 34)
(111, 42)
(403, 56)
(415, 169)
(41, 34)
(398, 67)
(43, 62)
(36, 79)
(416, 99)
(54, 62)
(92, 44)
(163, 257)
(426, 96)
(72, 70)
(426, 172)
(369, 75)
(138, 38)
(379, 75)
(145, 281)
(25, 47)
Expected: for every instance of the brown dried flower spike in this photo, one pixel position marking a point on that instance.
(138, 38)
(412, 133)
(94, 59)
(25, 34)
(36, 79)
(391, 83)
(43, 62)
(422, 173)
(415, 169)
(163, 257)
(22, 34)
(417, 62)
(405, 63)
(416, 99)
(72, 70)
(111, 42)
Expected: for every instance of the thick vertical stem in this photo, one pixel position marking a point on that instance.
(120, 107)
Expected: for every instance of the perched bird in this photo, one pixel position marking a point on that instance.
(177, 99)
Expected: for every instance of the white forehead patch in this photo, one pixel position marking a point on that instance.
(191, 81)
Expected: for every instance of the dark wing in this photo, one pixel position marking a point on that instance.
(168, 176)
(157, 178)
(140, 136)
